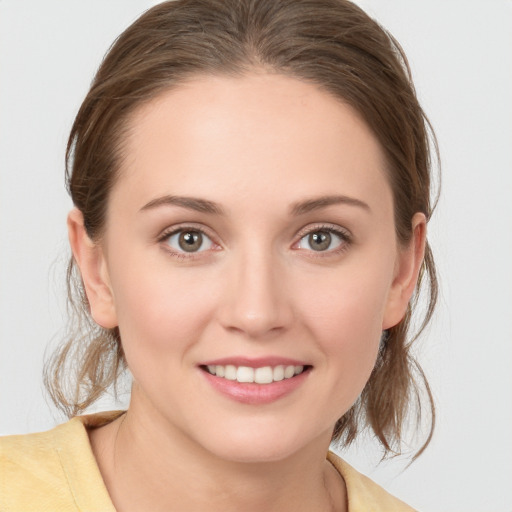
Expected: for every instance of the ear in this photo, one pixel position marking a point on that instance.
(407, 269)
(90, 259)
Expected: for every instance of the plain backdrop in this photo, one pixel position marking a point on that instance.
(460, 54)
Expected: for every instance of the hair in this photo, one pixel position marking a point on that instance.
(330, 43)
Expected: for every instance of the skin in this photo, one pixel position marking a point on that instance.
(255, 146)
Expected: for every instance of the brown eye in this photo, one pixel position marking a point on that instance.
(324, 240)
(319, 240)
(189, 240)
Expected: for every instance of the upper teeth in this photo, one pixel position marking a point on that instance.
(263, 375)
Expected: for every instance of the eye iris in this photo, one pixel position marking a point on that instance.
(190, 241)
(320, 240)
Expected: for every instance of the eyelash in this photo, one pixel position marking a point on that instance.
(344, 235)
(179, 229)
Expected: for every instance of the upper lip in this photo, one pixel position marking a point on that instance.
(257, 362)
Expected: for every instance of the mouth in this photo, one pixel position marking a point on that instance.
(259, 375)
(255, 381)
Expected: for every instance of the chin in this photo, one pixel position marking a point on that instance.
(261, 445)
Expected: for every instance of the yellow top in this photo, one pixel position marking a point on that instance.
(56, 471)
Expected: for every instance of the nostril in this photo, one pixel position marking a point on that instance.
(255, 302)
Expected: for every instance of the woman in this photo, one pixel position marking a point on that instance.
(251, 188)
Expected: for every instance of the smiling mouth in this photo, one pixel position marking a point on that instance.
(261, 375)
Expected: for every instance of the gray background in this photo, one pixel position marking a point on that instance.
(460, 53)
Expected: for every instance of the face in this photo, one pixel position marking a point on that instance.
(251, 263)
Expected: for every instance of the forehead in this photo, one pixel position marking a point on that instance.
(225, 136)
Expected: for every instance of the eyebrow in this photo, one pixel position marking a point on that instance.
(191, 203)
(317, 203)
(205, 206)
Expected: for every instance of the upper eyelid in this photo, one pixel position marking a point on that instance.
(324, 227)
(191, 226)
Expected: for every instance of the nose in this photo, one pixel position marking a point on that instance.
(256, 302)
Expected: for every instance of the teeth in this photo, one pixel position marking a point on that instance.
(289, 372)
(245, 374)
(263, 375)
(230, 372)
(278, 373)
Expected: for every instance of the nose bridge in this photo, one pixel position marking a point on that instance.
(256, 301)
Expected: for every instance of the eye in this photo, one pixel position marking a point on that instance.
(323, 240)
(189, 240)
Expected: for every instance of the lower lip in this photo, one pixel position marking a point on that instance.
(255, 394)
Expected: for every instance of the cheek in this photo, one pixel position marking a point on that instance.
(347, 303)
(346, 324)
(161, 313)
(349, 336)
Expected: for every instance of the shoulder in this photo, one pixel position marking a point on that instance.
(31, 472)
(53, 470)
(364, 495)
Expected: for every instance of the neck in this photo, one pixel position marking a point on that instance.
(148, 467)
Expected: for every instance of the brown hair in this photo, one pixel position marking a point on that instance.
(331, 43)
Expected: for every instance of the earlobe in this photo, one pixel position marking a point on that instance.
(407, 270)
(90, 259)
